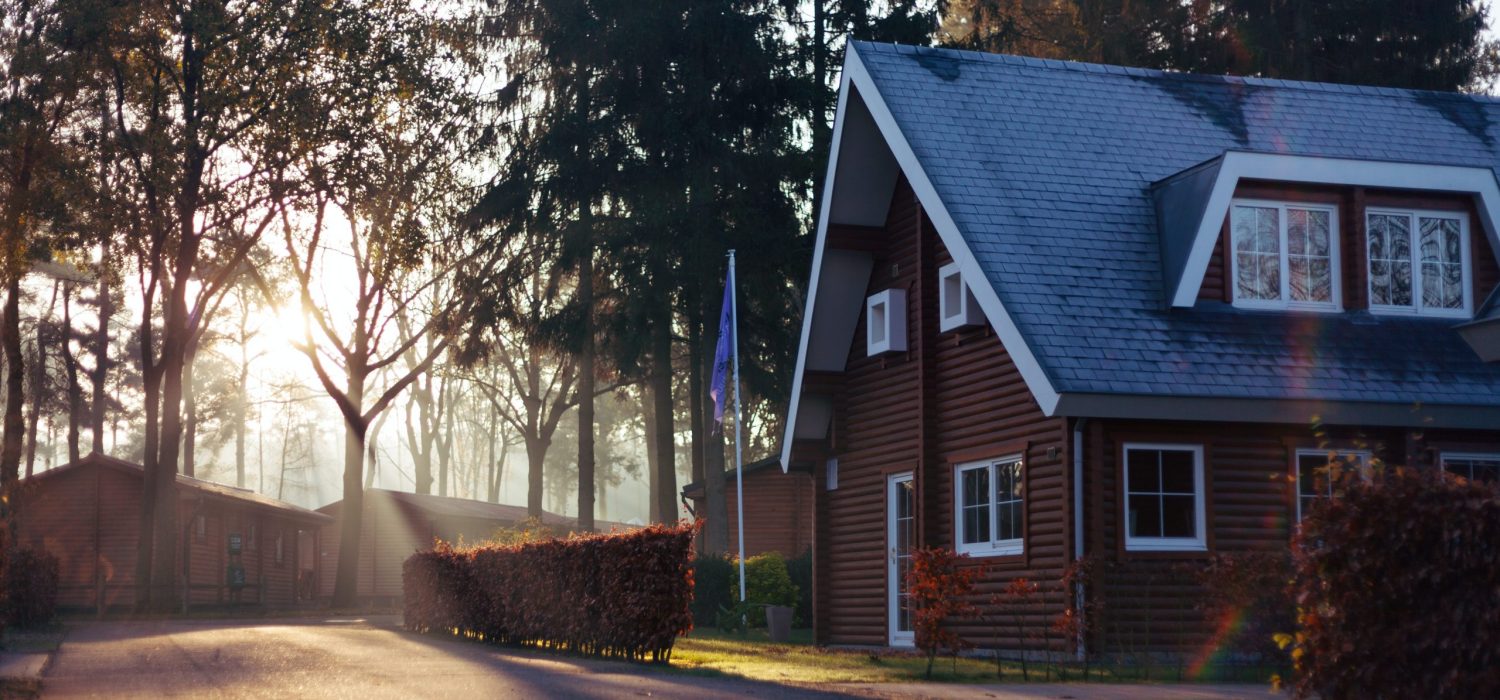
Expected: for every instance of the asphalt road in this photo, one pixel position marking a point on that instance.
(345, 659)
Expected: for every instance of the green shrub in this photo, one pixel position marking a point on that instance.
(713, 577)
(31, 577)
(1396, 584)
(766, 583)
(800, 568)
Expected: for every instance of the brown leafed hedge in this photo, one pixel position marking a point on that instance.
(624, 595)
(31, 579)
(1398, 590)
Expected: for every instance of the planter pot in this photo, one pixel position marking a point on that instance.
(779, 622)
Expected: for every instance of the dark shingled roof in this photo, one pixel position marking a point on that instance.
(1046, 167)
(452, 507)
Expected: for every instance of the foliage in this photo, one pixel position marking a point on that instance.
(1395, 586)
(938, 588)
(525, 532)
(1247, 601)
(31, 579)
(766, 583)
(713, 578)
(1424, 44)
(623, 595)
(800, 568)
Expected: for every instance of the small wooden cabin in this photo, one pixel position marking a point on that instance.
(778, 508)
(397, 523)
(240, 547)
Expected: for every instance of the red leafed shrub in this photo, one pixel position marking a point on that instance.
(31, 578)
(938, 589)
(620, 595)
(1398, 590)
(1248, 601)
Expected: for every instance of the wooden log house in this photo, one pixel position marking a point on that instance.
(237, 547)
(1060, 310)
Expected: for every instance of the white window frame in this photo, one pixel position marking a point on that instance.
(1361, 458)
(1444, 456)
(1414, 230)
(968, 312)
(889, 335)
(831, 474)
(994, 547)
(1198, 543)
(1336, 303)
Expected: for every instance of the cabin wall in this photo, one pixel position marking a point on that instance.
(951, 398)
(778, 509)
(1149, 598)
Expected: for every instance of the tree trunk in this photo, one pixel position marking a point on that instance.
(190, 415)
(15, 376)
(697, 337)
(151, 387)
(716, 508)
(100, 376)
(661, 396)
(241, 411)
(70, 368)
(536, 456)
(38, 386)
(444, 423)
(351, 513)
(648, 417)
(586, 470)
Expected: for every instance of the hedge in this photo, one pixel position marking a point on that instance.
(31, 578)
(623, 595)
(1398, 590)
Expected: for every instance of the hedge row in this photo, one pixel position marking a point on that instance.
(31, 578)
(1398, 590)
(623, 595)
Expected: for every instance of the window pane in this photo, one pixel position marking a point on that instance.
(1008, 481)
(1010, 521)
(1319, 280)
(1390, 259)
(1401, 289)
(1296, 232)
(1297, 274)
(1268, 231)
(1318, 233)
(1177, 471)
(1380, 282)
(1143, 466)
(976, 505)
(1268, 281)
(1179, 516)
(1312, 475)
(1145, 516)
(1242, 228)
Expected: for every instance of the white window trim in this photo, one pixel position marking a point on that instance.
(1444, 456)
(831, 474)
(894, 301)
(968, 308)
(1285, 302)
(1413, 230)
(995, 547)
(1363, 458)
(1198, 543)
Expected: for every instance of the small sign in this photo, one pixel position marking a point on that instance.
(236, 543)
(236, 576)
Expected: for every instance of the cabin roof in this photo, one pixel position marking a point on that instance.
(1047, 168)
(453, 507)
(199, 486)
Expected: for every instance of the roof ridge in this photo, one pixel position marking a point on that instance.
(1136, 72)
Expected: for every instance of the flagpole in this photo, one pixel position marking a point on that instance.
(739, 478)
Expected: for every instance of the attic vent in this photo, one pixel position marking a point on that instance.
(956, 304)
(885, 316)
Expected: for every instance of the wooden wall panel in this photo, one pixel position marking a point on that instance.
(778, 508)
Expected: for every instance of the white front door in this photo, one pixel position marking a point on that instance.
(901, 530)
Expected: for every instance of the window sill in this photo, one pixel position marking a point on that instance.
(1165, 545)
(998, 550)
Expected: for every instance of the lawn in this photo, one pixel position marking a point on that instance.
(753, 656)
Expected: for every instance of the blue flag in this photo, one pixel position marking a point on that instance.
(721, 353)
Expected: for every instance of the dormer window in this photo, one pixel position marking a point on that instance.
(956, 303)
(1285, 255)
(885, 322)
(1419, 262)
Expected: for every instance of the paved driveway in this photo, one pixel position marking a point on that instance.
(344, 659)
(356, 658)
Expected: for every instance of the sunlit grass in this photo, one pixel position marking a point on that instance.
(753, 656)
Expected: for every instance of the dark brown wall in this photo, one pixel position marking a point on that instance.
(1248, 469)
(951, 398)
(778, 509)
